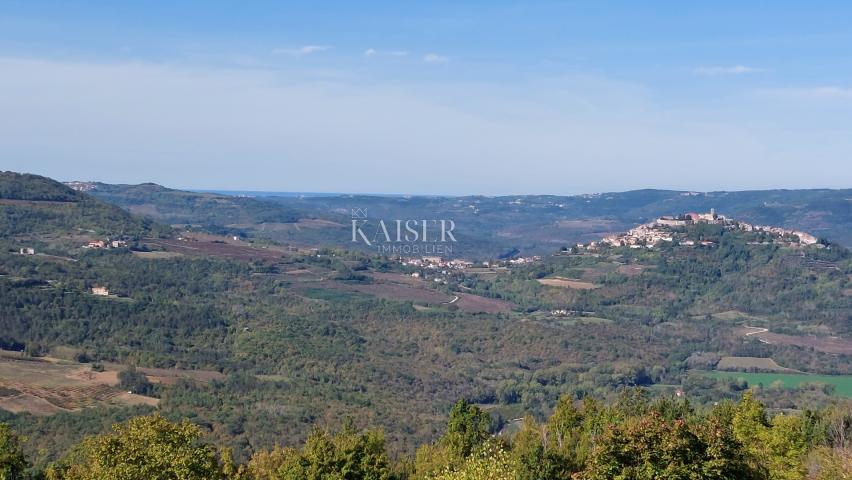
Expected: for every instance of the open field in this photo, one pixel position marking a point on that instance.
(216, 248)
(827, 344)
(631, 270)
(466, 301)
(157, 255)
(567, 283)
(172, 375)
(394, 286)
(842, 383)
(751, 363)
(735, 316)
(476, 303)
(396, 291)
(398, 278)
(48, 386)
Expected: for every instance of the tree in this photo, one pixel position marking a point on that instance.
(134, 381)
(778, 446)
(13, 464)
(652, 448)
(144, 448)
(491, 462)
(532, 456)
(345, 455)
(467, 429)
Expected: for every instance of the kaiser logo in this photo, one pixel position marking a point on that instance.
(403, 236)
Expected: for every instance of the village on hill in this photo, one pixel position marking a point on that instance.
(670, 229)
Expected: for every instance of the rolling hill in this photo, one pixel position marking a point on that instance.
(180, 207)
(288, 338)
(33, 206)
(487, 227)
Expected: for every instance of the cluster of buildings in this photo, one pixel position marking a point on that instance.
(662, 230)
(564, 312)
(445, 265)
(439, 268)
(523, 260)
(803, 238)
(106, 244)
(81, 186)
(642, 236)
(437, 263)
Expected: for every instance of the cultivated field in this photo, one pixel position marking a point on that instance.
(567, 283)
(631, 270)
(842, 383)
(157, 255)
(476, 303)
(216, 248)
(47, 386)
(170, 376)
(395, 286)
(751, 363)
(827, 344)
(396, 291)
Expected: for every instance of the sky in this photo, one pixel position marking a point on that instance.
(439, 97)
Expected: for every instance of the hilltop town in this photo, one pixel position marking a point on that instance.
(672, 229)
(666, 229)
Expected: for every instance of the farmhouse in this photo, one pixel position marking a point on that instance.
(100, 291)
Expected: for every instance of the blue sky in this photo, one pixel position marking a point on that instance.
(430, 97)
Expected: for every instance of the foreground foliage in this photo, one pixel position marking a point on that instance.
(630, 439)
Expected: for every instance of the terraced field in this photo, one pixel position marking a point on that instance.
(47, 386)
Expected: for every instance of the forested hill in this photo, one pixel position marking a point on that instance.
(180, 207)
(32, 205)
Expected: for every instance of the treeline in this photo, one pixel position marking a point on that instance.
(631, 438)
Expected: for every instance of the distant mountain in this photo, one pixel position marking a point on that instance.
(32, 205)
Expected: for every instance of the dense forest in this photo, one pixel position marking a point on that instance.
(631, 438)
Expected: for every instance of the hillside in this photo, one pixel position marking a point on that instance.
(537, 224)
(180, 207)
(37, 207)
(488, 227)
(261, 342)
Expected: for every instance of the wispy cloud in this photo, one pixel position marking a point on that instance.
(372, 52)
(182, 122)
(435, 58)
(729, 70)
(300, 51)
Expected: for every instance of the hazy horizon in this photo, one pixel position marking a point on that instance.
(253, 192)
